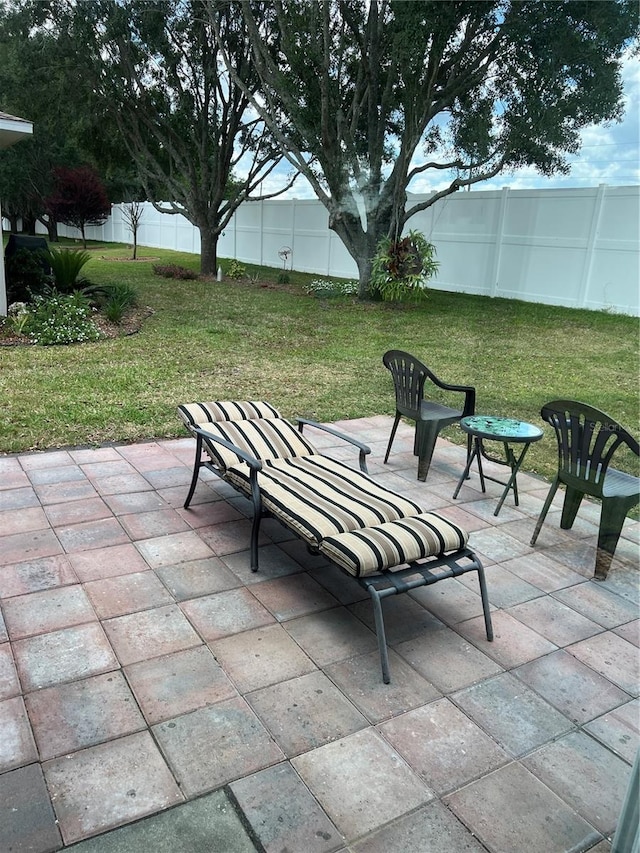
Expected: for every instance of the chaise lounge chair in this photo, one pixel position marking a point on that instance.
(383, 540)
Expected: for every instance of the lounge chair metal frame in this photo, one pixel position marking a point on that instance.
(380, 585)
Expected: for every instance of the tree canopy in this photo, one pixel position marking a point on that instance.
(364, 97)
(198, 100)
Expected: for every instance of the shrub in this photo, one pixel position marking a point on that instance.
(324, 288)
(119, 298)
(62, 319)
(27, 274)
(235, 270)
(65, 266)
(174, 271)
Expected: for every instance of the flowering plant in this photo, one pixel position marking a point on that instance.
(62, 319)
(325, 288)
(19, 316)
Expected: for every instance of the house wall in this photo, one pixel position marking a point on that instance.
(571, 247)
(3, 280)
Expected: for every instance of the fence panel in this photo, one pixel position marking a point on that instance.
(573, 247)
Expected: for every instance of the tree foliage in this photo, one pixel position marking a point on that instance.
(363, 98)
(198, 148)
(40, 81)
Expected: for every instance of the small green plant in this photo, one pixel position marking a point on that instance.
(235, 270)
(174, 271)
(119, 299)
(62, 319)
(283, 278)
(66, 265)
(400, 268)
(18, 317)
(324, 288)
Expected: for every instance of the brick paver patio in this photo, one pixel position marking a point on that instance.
(156, 695)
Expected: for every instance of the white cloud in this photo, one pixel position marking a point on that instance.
(610, 153)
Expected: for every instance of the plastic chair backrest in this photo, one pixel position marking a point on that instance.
(587, 440)
(409, 376)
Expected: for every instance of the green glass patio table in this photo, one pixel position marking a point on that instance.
(508, 431)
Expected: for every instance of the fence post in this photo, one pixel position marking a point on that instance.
(594, 228)
(292, 243)
(497, 246)
(235, 233)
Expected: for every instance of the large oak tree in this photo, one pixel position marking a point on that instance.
(199, 148)
(364, 97)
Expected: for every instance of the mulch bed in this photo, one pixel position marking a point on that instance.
(131, 323)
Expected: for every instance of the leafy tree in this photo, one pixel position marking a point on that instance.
(365, 97)
(199, 150)
(79, 199)
(39, 81)
(16, 191)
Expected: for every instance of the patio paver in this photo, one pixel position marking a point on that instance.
(155, 694)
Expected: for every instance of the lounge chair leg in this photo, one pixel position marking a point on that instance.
(196, 470)
(255, 533)
(380, 633)
(488, 626)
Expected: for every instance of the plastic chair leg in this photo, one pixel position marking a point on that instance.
(392, 436)
(424, 462)
(545, 510)
(424, 445)
(570, 507)
(612, 518)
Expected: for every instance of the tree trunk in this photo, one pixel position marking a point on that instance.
(29, 225)
(52, 229)
(360, 244)
(364, 276)
(208, 251)
(135, 244)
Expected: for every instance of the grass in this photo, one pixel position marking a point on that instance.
(255, 339)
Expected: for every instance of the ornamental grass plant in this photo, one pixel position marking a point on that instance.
(253, 338)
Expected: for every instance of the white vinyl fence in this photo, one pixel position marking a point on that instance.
(573, 247)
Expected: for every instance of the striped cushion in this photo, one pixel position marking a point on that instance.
(204, 413)
(371, 550)
(263, 439)
(318, 497)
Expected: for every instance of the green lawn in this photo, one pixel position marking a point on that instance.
(322, 359)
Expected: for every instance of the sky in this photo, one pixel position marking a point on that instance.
(610, 154)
